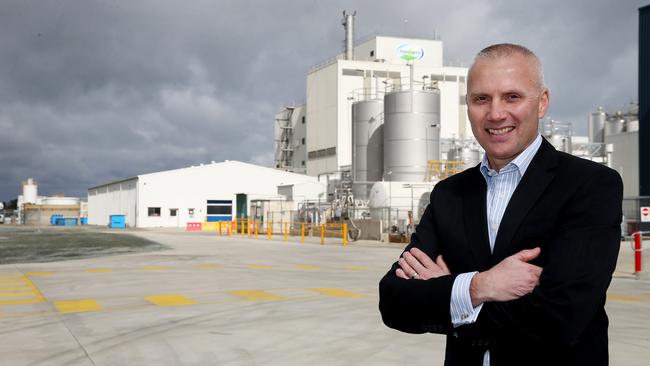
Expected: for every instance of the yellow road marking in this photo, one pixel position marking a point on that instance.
(99, 270)
(39, 274)
(259, 266)
(22, 283)
(623, 298)
(16, 294)
(335, 292)
(357, 268)
(170, 300)
(208, 266)
(257, 295)
(308, 267)
(77, 306)
(161, 268)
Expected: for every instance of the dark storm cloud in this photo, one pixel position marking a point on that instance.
(92, 91)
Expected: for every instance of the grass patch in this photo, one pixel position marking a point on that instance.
(28, 245)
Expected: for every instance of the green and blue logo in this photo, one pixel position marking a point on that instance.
(409, 52)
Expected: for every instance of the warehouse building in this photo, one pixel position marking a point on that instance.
(204, 193)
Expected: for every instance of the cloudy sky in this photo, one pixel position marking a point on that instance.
(92, 91)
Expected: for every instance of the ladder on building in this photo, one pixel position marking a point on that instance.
(284, 144)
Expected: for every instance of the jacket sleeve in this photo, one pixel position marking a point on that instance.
(416, 306)
(577, 262)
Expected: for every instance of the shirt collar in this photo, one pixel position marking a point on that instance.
(521, 162)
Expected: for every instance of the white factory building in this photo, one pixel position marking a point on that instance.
(204, 193)
(317, 137)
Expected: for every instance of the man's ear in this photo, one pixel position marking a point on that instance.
(543, 103)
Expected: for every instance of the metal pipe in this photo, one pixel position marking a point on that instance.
(348, 24)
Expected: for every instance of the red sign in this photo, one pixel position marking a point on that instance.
(645, 214)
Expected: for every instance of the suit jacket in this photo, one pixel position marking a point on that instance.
(568, 206)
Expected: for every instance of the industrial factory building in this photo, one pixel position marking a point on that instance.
(38, 210)
(362, 96)
(210, 192)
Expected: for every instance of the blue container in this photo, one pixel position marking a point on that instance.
(59, 221)
(70, 221)
(53, 219)
(83, 221)
(118, 222)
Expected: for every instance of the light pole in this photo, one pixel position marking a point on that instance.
(390, 195)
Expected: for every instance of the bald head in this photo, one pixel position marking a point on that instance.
(507, 50)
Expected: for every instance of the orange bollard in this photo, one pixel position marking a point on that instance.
(322, 234)
(269, 229)
(302, 233)
(345, 235)
(256, 229)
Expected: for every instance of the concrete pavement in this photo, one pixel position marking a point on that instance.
(238, 301)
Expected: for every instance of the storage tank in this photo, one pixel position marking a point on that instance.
(368, 137)
(597, 126)
(401, 197)
(30, 191)
(615, 125)
(411, 133)
(469, 155)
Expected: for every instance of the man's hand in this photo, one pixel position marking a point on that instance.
(415, 264)
(511, 279)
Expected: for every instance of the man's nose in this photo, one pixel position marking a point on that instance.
(497, 112)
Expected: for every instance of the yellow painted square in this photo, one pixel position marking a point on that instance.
(357, 268)
(160, 268)
(170, 300)
(308, 267)
(335, 292)
(77, 306)
(99, 270)
(257, 295)
(259, 266)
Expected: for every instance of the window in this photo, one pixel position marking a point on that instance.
(154, 211)
(372, 53)
(220, 210)
(303, 120)
(303, 140)
(190, 212)
(173, 212)
(303, 163)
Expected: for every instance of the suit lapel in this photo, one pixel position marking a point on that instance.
(475, 219)
(537, 177)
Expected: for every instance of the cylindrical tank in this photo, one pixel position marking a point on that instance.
(30, 191)
(411, 133)
(614, 126)
(469, 155)
(561, 142)
(632, 126)
(400, 197)
(597, 126)
(368, 162)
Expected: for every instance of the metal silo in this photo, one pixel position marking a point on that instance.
(368, 137)
(597, 126)
(411, 133)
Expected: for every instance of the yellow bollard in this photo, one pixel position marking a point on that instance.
(302, 233)
(322, 234)
(345, 235)
(249, 226)
(286, 232)
(256, 225)
(269, 229)
(230, 224)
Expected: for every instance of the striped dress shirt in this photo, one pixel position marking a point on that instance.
(500, 187)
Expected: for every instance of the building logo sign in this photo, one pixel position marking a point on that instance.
(409, 52)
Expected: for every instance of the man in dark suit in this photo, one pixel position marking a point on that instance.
(512, 258)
